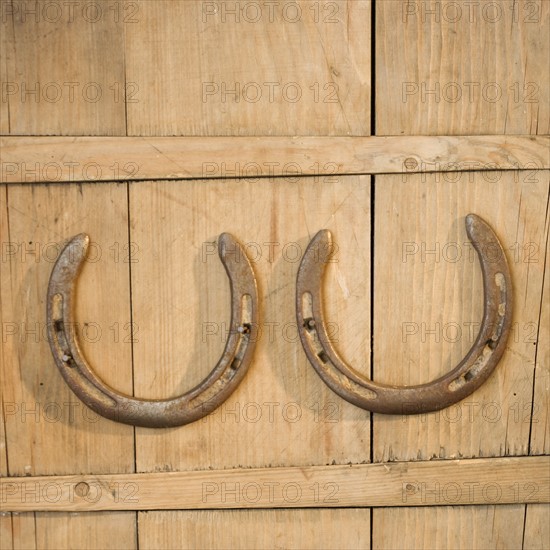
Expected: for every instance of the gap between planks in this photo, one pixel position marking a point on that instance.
(92, 159)
(509, 480)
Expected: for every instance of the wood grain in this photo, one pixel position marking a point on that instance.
(58, 159)
(162, 60)
(427, 483)
(180, 301)
(255, 529)
(537, 527)
(418, 54)
(105, 530)
(61, 68)
(422, 246)
(432, 80)
(283, 71)
(48, 430)
(457, 527)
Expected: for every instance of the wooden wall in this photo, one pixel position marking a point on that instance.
(154, 304)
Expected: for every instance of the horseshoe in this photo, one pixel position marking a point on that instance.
(150, 413)
(466, 377)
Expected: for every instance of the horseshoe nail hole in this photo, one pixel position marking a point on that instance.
(307, 305)
(235, 364)
(57, 306)
(468, 376)
(500, 281)
(323, 356)
(66, 358)
(309, 323)
(82, 489)
(492, 343)
(245, 328)
(246, 310)
(58, 325)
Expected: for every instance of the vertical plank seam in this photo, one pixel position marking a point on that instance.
(539, 323)
(536, 355)
(3, 362)
(372, 216)
(136, 513)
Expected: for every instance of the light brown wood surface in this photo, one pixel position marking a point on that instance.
(445, 68)
(162, 54)
(426, 483)
(305, 72)
(41, 160)
(282, 414)
(61, 66)
(476, 53)
(256, 529)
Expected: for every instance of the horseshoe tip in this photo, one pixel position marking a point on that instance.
(474, 225)
(324, 236)
(226, 241)
(83, 239)
(78, 246)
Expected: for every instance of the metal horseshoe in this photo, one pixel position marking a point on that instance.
(150, 413)
(466, 377)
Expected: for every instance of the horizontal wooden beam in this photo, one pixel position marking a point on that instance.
(428, 483)
(89, 159)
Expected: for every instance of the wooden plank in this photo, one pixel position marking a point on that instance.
(537, 527)
(285, 68)
(61, 159)
(425, 47)
(6, 350)
(83, 94)
(539, 442)
(22, 532)
(39, 407)
(423, 249)
(256, 529)
(71, 531)
(198, 53)
(282, 414)
(456, 527)
(431, 80)
(6, 45)
(48, 430)
(6, 537)
(428, 483)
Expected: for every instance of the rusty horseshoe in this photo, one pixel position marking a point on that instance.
(162, 413)
(460, 382)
